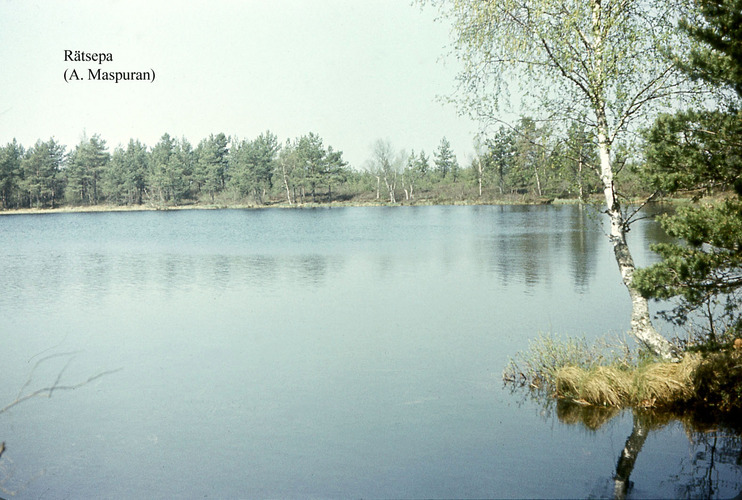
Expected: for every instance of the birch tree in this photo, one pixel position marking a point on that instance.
(410, 175)
(387, 165)
(598, 59)
(287, 164)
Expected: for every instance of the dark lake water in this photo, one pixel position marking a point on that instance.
(318, 353)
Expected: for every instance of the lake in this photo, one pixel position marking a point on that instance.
(317, 353)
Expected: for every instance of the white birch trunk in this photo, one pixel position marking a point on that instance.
(288, 191)
(641, 322)
(391, 186)
(479, 171)
(286, 182)
(538, 181)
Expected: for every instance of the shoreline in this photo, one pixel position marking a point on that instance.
(283, 205)
(242, 206)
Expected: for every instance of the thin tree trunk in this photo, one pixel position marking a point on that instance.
(641, 322)
(288, 191)
(538, 180)
(391, 186)
(479, 169)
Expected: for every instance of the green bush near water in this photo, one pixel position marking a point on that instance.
(718, 381)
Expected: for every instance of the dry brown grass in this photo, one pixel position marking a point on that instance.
(649, 385)
(662, 383)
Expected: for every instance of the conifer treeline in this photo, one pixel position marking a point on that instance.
(170, 173)
(525, 160)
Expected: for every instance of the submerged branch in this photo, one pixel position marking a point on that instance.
(56, 385)
(47, 391)
(71, 355)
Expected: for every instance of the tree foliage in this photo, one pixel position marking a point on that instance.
(716, 24)
(83, 171)
(252, 164)
(42, 183)
(602, 61)
(445, 160)
(699, 151)
(10, 174)
(262, 170)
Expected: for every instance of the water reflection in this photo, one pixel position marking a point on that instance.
(364, 339)
(715, 448)
(518, 259)
(522, 248)
(711, 470)
(584, 239)
(519, 246)
(100, 275)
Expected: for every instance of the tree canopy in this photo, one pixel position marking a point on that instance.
(601, 62)
(699, 151)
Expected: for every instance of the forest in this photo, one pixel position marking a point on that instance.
(527, 162)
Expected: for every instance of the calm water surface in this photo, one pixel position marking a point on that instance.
(325, 353)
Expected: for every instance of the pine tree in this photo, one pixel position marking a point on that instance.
(718, 28)
(84, 169)
(445, 160)
(43, 180)
(10, 174)
(700, 152)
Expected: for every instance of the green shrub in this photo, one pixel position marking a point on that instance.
(718, 381)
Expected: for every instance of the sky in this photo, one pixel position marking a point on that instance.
(352, 71)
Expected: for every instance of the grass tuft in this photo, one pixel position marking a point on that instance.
(606, 374)
(648, 385)
(664, 383)
(548, 354)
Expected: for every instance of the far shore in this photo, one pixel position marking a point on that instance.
(242, 206)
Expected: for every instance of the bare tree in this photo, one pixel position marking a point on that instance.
(387, 165)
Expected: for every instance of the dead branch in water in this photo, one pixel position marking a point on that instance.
(56, 386)
(47, 391)
(5, 473)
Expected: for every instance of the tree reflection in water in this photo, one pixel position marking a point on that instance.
(715, 444)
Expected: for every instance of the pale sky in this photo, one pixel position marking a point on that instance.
(352, 71)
